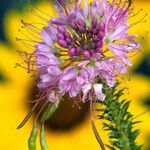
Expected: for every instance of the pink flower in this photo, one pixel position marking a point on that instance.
(109, 69)
(72, 80)
(72, 57)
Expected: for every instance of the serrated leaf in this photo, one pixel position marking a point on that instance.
(124, 108)
(134, 134)
(118, 122)
(99, 110)
(118, 94)
(110, 147)
(135, 122)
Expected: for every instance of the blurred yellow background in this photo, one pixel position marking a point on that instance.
(16, 90)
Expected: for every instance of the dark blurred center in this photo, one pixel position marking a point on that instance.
(68, 115)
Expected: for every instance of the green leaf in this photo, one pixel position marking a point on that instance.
(134, 134)
(124, 108)
(135, 122)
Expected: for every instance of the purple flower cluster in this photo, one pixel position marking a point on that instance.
(83, 47)
(92, 39)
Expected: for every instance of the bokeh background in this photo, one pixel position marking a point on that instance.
(70, 127)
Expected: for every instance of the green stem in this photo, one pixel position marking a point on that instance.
(32, 139)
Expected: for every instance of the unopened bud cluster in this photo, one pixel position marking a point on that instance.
(85, 41)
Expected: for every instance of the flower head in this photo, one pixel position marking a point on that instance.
(82, 47)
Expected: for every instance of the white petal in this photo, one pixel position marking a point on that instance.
(98, 87)
(85, 89)
(98, 91)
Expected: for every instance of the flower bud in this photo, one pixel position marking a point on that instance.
(85, 46)
(101, 34)
(68, 40)
(81, 23)
(62, 43)
(61, 29)
(92, 52)
(89, 30)
(60, 36)
(79, 39)
(87, 54)
(73, 25)
(99, 50)
(81, 29)
(71, 17)
(95, 38)
(99, 44)
(94, 31)
(101, 26)
(94, 22)
(78, 50)
(72, 52)
(67, 34)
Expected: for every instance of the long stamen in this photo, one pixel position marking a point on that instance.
(37, 15)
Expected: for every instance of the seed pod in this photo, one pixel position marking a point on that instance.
(43, 139)
(32, 139)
